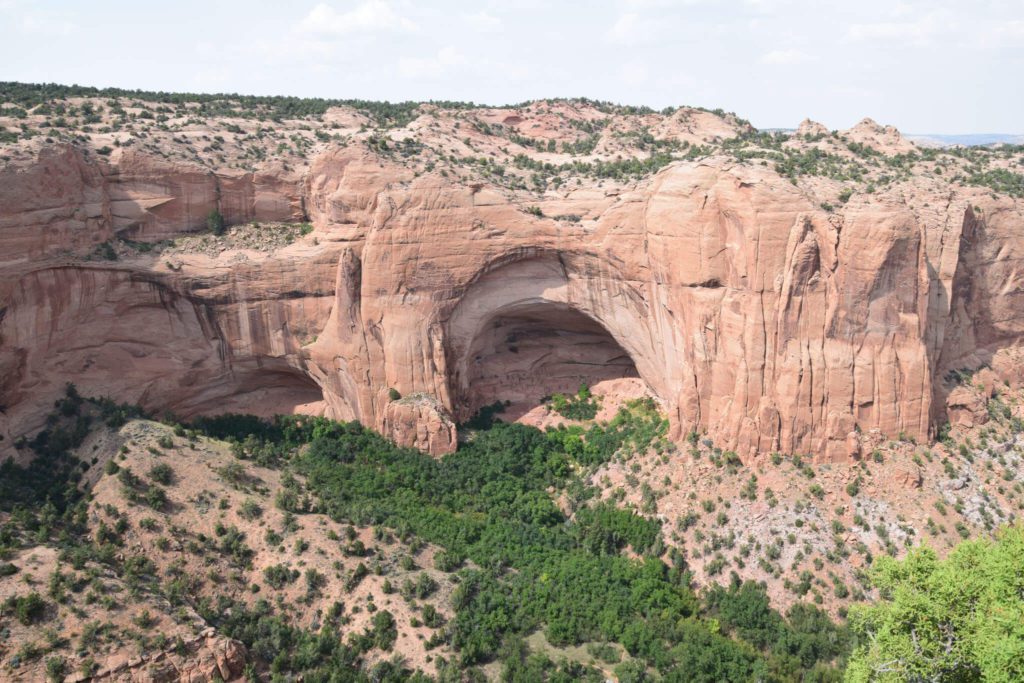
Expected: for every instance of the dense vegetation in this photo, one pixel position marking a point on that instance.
(592, 573)
(999, 180)
(618, 169)
(581, 406)
(580, 571)
(384, 114)
(50, 481)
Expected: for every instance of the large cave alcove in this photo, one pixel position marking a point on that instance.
(535, 327)
(116, 334)
(528, 352)
(262, 386)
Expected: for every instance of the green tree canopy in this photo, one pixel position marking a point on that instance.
(958, 619)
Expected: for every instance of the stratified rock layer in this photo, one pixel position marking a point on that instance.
(750, 312)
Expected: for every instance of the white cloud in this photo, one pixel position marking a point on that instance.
(851, 91)
(887, 29)
(30, 20)
(1010, 33)
(634, 73)
(483, 22)
(444, 61)
(47, 24)
(904, 9)
(785, 57)
(513, 71)
(765, 6)
(213, 79)
(918, 31)
(373, 16)
(664, 4)
(630, 29)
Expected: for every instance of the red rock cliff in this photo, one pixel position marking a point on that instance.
(752, 313)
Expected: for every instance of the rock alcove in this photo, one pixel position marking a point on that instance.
(530, 329)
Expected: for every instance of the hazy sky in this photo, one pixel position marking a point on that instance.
(926, 66)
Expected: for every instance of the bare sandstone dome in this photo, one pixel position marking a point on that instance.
(755, 307)
(810, 129)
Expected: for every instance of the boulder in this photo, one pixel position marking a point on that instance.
(966, 407)
(420, 421)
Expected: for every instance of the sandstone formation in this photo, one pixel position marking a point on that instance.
(810, 129)
(966, 408)
(421, 421)
(756, 308)
(207, 658)
(883, 138)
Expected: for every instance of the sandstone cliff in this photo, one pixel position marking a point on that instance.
(774, 306)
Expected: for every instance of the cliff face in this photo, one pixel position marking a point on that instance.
(200, 336)
(749, 310)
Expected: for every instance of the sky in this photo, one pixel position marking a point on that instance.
(925, 66)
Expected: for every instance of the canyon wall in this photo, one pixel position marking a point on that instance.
(753, 314)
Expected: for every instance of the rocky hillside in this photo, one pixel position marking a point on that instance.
(772, 292)
(181, 530)
(133, 549)
(810, 531)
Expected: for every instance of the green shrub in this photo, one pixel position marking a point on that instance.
(27, 609)
(279, 575)
(385, 630)
(156, 498)
(55, 667)
(250, 510)
(215, 222)
(448, 562)
(582, 406)
(161, 473)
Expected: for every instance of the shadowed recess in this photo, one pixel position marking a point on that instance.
(528, 351)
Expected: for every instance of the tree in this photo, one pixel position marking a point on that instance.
(385, 631)
(215, 222)
(28, 609)
(958, 619)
